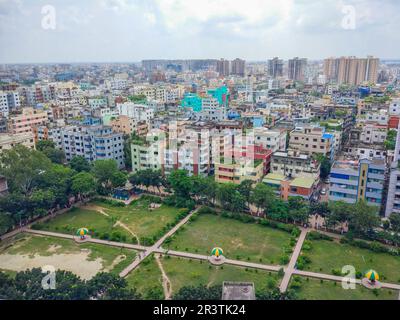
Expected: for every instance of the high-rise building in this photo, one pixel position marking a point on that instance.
(351, 70)
(223, 67)
(275, 67)
(238, 67)
(297, 68)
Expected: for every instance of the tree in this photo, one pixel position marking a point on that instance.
(320, 208)
(22, 167)
(199, 293)
(58, 179)
(48, 148)
(262, 197)
(105, 171)
(245, 189)
(118, 179)
(148, 178)
(230, 198)
(325, 165)
(6, 222)
(278, 210)
(80, 164)
(128, 152)
(27, 285)
(210, 191)
(108, 286)
(390, 143)
(363, 219)
(181, 183)
(83, 184)
(339, 212)
(395, 222)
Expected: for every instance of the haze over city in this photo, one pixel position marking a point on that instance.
(131, 30)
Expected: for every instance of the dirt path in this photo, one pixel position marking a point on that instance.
(166, 283)
(97, 209)
(122, 225)
(118, 223)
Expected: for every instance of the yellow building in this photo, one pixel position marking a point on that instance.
(236, 172)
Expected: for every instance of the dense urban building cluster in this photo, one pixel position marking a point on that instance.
(320, 130)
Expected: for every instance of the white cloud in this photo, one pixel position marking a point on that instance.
(184, 13)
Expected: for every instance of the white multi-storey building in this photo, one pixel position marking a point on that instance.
(138, 112)
(270, 139)
(91, 142)
(393, 195)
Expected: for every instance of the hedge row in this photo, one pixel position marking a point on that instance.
(373, 246)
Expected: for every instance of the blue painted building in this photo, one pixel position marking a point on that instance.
(351, 181)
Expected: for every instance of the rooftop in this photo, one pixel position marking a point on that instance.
(238, 291)
(302, 183)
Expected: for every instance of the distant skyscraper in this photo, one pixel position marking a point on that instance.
(351, 70)
(238, 67)
(223, 67)
(275, 67)
(297, 67)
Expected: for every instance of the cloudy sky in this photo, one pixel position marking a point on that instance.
(132, 30)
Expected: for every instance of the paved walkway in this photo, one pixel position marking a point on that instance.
(157, 245)
(91, 240)
(292, 264)
(339, 278)
(145, 251)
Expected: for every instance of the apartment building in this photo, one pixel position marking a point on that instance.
(9, 101)
(311, 140)
(286, 187)
(4, 109)
(244, 162)
(127, 125)
(91, 142)
(138, 112)
(95, 103)
(3, 124)
(211, 111)
(355, 180)
(27, 119)
(275, 68)
(238, 67)
(296, 69)
(148, 153)
(274, 140)
(294, 164)
(9, 141)
(393, 194)
(351, 70)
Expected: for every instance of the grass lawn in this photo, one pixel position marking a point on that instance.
(237, 239)
(328, 255)
(146, 279)
(76, 218)
(140, 220)
(102, 219)
(29, 250)
(313, 289)
(183, 272)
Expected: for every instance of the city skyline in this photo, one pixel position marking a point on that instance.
(131, 31)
